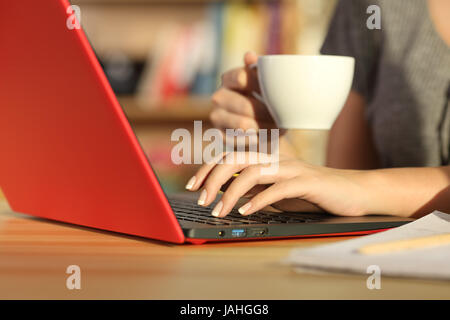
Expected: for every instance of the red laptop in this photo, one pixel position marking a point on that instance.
(69, 154)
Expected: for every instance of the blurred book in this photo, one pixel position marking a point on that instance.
(243, 30)
(188, 59)
(419, 249)
(122, 72)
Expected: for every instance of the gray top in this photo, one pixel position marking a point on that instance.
(403, 70)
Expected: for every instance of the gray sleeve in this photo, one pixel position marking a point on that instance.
(349, 36)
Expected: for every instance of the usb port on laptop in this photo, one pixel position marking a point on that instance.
(238, 233)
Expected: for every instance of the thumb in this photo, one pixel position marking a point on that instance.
(250, 58)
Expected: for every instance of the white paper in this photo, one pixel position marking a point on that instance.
(433, 262)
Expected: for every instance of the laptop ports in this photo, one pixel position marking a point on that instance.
(258, 232)
(238, 233)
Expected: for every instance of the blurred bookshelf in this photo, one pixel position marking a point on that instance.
(185, 109)
(164, 49)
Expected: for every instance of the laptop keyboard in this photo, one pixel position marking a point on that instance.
(187, 211)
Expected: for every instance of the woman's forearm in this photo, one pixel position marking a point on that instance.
(350, 144)
(408, 192)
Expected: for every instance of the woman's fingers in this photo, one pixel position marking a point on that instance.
(282, 190)
(240, 104)
(250, 193)
(215, 174)
(250, 58)
(296, 205)
(247, 180)
(234, 105)
(244, 78)
(253, 172)
(202, 173)
(233, 102)
(223, 119)
(218, 177)
(239, 160)
(239, 79)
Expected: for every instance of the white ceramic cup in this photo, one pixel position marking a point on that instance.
(304, 92)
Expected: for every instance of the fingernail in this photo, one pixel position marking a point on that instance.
(217, 209)
(245, 207)
(242, 79)
(190, 183)
(202, 198)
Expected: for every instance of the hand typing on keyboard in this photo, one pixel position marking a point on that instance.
(295, 186)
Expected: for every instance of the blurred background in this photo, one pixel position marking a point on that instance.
(164, 59)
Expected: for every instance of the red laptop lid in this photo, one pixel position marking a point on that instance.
(67, 150)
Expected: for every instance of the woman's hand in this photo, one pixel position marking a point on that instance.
(236, 108)
(234, 105)
(289, 188)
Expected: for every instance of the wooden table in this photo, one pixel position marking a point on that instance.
(35, 253)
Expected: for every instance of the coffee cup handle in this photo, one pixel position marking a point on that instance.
(255, 94)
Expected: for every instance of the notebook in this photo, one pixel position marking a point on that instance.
(432, 262)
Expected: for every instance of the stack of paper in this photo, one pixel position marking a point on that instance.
(426, 261)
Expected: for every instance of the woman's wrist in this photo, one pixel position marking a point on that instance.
(286, 149)
(403, 191)
(374, 185)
